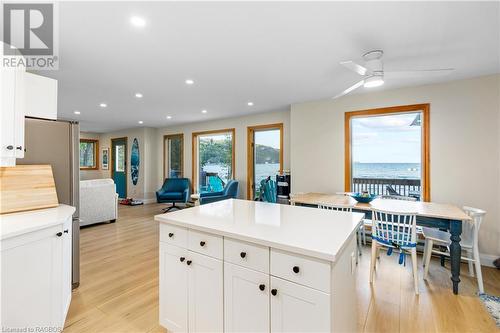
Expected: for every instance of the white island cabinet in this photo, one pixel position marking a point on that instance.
(36, 269)
(245, 266)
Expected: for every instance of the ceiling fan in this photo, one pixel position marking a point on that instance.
(373, 72)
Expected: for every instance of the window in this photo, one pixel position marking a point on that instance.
(265, 155)
(173, 152)
(213, 160)
(89, 158)
(387, 151)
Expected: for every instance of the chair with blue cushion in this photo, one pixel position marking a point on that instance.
(229, 192)
(174, 190)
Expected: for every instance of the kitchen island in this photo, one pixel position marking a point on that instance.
(238, 265)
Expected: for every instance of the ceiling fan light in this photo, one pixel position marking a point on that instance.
(373, 81)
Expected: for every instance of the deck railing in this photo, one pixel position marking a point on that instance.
(404, 187)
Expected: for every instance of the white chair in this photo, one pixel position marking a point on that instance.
(368, 222)
(98, 201)
(469, 243)
(394, 230)
(345, 208)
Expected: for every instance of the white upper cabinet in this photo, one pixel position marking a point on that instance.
(40, 96)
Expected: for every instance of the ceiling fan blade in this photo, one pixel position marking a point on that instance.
(417, 73)
(351, 88)
(361, 70)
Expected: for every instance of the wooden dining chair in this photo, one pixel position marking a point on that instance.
(345, 208)
(394, 230)
(368, 222)
(469, 243)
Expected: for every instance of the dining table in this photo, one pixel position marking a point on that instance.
(429, 214)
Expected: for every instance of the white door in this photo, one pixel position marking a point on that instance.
(67, 249)
(31, 280)
(246, 300)
(206, 307)
(173, 288)
(295, 308)
(7, 116)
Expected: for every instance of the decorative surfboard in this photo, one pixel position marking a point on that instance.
(135, 160)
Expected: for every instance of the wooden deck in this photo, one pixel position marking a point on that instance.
(119, 286)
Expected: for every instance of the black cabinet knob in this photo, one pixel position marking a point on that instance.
(202, 243)
(262, 287)
(10, 147)
(19, 147)
(188, 262)
(274, 292)
(170, 234)
(243, 254)
(182, 259)
(66, 231)
(59, 234)
(296, 269)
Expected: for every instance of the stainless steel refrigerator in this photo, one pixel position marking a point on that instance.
(58, 143)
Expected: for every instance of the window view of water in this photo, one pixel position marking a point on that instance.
(386, 170)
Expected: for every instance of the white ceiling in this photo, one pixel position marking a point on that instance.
(273, 54)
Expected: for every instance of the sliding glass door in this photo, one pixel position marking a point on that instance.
(213, 160)
(173, 154)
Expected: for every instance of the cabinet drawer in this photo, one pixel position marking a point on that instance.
(173, 235)
(208, 244)
(245, 254)
(301, 269)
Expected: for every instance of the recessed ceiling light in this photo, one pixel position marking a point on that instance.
(169, 117)
(103, 105)
(204, 111)
(138, 95)
(250, 103)
(189, 81)
(141, 122)
(76, 112)
(137, 21)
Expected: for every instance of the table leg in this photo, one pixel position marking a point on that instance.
(455, 253)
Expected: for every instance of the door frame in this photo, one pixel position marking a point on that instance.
(250, 152)
(425, 140)
(113, 161)
(172, 136)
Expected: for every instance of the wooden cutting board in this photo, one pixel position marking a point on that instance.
(27, 187)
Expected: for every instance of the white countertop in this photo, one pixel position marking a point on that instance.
(314, 232)
(15, 224)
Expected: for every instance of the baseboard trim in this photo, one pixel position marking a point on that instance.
(487, 259)
(148, 201)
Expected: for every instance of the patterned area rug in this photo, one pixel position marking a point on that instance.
(492, 304)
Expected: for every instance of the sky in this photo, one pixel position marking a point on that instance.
(270, 138)
(386, 139)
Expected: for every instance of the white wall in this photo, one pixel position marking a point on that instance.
(240, 125)
(464, 144)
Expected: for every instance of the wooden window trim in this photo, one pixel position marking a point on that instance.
(194, 150)
(96, 154)
(173, 136)
(250, 156)
(424, 108)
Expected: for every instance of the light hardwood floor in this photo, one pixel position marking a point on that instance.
(119, 286)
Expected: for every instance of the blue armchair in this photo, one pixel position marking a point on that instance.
(173, 190)
(230, 191)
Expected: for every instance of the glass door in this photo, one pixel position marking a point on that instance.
(173, 153)
(119, 165)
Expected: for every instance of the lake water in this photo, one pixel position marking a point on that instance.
(387, 170)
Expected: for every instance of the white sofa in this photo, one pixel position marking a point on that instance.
(98, 201)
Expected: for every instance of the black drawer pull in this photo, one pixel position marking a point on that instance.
(182, 259)
(19, 147)
(10, 147)
(66, 231)
(274, 292)
(59, 234)
(262, 287)
(296, 269)
(188, 262)
(202, 243)
(243, 254)
(170, 234)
